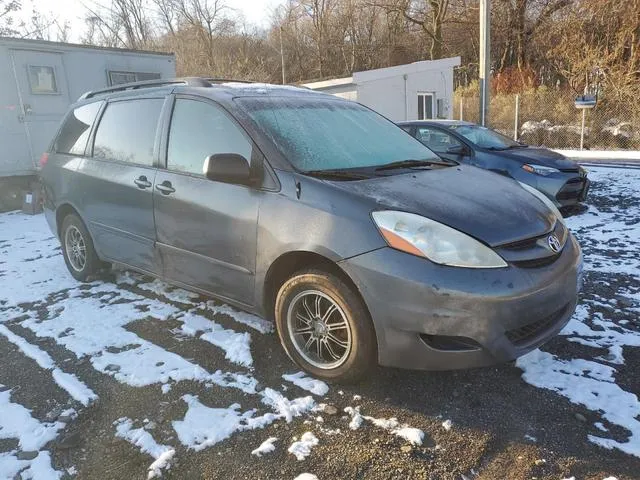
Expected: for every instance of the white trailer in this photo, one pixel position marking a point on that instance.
(39, 81)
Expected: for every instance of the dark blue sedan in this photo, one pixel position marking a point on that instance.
(562, 180)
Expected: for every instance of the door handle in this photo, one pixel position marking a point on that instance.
(142, 182)
(165, 187)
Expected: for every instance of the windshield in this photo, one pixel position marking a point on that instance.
(484, 137)
(317, 134)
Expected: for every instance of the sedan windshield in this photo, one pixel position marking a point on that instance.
(484, 137)
(317, 134)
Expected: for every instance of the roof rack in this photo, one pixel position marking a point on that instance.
(190, 81)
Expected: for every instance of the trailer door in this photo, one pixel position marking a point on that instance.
(43, 96)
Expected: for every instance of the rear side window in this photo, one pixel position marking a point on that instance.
(127, 131)
(199, 129)
(74, 133)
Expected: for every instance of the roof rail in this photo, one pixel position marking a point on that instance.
(226, 80)
(191, 81)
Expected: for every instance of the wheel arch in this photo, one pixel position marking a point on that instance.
(67, 208)
(289, 263)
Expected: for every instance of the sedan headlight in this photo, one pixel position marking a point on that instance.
(539, 169)
(544, 199)
(439, 243)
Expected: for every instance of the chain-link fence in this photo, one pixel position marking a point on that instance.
(548, 117)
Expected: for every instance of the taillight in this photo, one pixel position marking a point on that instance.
(44, 158)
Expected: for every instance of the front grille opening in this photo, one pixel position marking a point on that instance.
(523, 336)
(450, 344)
(537, 262)
(571, 190)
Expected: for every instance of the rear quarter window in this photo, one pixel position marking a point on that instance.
(74, 133)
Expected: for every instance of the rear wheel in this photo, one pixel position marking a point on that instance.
(77, 248)
(324, 326)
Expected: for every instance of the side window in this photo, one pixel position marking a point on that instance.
(74, 133)
(436, 140)
(199, 129)
(127, 131)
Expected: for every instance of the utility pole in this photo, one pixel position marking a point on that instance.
(284, 79)
(485, 59)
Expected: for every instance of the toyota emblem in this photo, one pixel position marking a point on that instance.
(554, 243)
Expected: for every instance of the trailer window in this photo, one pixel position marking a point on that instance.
(42, 79)
(74, 134)
(118, 78)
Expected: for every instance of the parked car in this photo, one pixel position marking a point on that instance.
(359, 242)
(560, 179)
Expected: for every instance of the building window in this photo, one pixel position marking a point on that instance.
(42, 79)
(119, 77)
(425, 106)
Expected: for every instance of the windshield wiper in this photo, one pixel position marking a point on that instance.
(497, 149)
(412, 163)
(339, 174)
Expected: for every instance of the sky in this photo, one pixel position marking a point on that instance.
(256, 12)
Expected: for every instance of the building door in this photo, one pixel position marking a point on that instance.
(42, 95)
(425, 106)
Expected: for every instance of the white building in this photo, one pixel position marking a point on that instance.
(416, 91)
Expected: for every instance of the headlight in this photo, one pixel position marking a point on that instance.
(544, 199)
(539, 169)
(420, 236)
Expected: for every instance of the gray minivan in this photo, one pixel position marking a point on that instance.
(360, 243)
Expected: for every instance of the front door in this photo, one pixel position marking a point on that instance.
(206, 230)
(116, 183)
(43, 97)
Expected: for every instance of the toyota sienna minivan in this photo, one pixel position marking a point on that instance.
(361, 244)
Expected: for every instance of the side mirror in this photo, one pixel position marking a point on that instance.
(457, 150)
(227, 168)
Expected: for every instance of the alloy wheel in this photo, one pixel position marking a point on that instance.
(76, 248)
(319, 330)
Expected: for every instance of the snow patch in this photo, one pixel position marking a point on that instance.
(265, 447)
(67, 381)
(317, 387)
(591, 384)
(16, 422)
(142, 439)
(235, 345)
(301, 449)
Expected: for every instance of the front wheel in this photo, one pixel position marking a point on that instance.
(77, 248)
(324, 327)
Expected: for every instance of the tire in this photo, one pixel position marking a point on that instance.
(346, 322)
(74, 233)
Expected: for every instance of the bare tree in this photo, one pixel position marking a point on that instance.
(7, 22)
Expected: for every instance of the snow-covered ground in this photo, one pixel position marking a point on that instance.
(55, 323)
(610, 238)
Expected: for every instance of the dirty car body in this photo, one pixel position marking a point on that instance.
(300, 207)
(559, 178)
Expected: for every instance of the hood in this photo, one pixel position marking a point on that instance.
(539, 156)
(489, 207)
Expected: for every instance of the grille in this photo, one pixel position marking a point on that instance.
(524, 335)
(537, 262)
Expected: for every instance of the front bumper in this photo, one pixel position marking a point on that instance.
(429, 316)
(564, 189)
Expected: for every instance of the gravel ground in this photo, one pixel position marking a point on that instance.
(137, 351)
